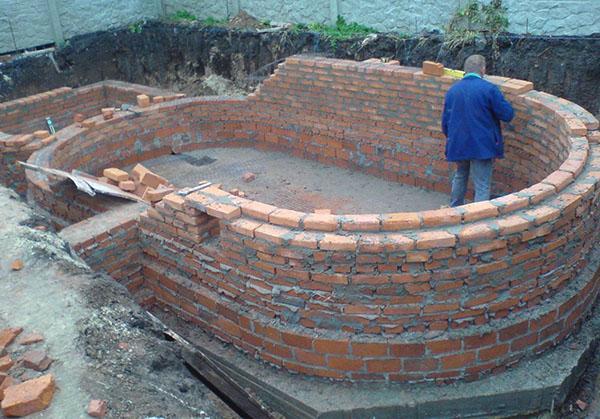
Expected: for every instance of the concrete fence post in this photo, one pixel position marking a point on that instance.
(334, 10)
(160, 7)
(57, 29)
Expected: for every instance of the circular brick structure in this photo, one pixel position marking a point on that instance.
(435, 295)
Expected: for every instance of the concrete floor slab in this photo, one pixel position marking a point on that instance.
(294, 183)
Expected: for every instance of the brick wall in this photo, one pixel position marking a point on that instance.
(20, 118)
(435, 295)
(110, 243)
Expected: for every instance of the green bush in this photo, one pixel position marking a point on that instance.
(474, 20)
(182, 15)
(341, 31)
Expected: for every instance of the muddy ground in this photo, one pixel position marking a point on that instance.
(104, 345)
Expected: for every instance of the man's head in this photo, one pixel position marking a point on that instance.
(475, 64)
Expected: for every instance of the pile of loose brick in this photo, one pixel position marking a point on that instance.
(444, 294)
(141, 182)
(26, 386)
(23, 388)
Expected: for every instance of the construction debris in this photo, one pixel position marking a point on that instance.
(97, 408)
(29, 397)
(248, 177)
(16, 265)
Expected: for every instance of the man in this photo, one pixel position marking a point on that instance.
(473, 110)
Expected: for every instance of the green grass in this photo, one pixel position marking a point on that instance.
(182, 16)
(341, 31)
(211, 21)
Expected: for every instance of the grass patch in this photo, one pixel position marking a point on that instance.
(476, 19)
(341, 31)
(182, 16)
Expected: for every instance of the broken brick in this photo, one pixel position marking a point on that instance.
(6, 383)
(30, 339)
(127, 185)
(78, 118)
(8, 335)
(146, 177)
(97, 408)
(155, 195)
(6, 363)
(116, 175)
(16, 265)
(248, 177)
(36, 360)
(28, 397)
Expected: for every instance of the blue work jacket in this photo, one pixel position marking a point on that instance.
(473, 109)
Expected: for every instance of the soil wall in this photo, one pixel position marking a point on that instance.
(177, 56)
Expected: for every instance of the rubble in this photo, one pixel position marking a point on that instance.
(36, 360)
(29, 339)
(28, 397)
(16, 265)
(97, 408)
(248, 177)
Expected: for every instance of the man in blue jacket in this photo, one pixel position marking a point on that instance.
(473, 110)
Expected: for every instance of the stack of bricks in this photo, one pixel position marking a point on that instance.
(434, 295)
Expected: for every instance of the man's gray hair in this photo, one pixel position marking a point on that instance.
(475, 64)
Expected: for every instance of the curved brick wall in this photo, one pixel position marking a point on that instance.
(440, 294)
(20, 118)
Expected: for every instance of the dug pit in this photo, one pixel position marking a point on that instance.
(366, 293)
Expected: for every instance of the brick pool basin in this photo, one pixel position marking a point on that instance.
(442, 294)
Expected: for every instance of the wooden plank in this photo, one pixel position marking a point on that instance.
(227, 386)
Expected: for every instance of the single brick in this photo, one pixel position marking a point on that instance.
(435, 239)
(284, 217)
(321, 222)
(116, 175)
(143, 101)
(337, 242)
(400, 221)
(433, 69)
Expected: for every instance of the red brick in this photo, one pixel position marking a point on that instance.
(337, 242)
(435, 239)
(434, 218)
(400, 221)
(321, 222)
(425, 364)
(328, 346)
(97, 408)
(452, 362)
(345, 364)
(494, 352)
(369, 349)
(297, 341)
(407, 350)
(28, 397)
(7, 336)
(384, 365)
(36, 360)
(286, 218)
(443, 346)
